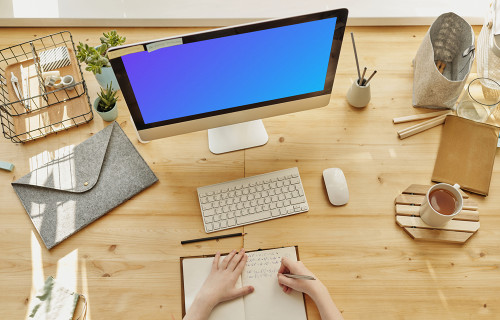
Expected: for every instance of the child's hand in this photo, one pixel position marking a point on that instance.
(220, 284)
(310, 287)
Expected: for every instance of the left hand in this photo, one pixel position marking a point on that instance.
(220, 284)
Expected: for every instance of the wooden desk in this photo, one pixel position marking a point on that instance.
(127, 263)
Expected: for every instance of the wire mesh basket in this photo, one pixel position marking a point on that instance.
(40, 110)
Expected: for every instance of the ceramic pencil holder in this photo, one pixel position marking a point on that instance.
(359, 96)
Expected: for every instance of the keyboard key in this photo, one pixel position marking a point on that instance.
(209, 219)
(217, 217)
(253, 217)
(216, 226)
(298, 200)
(209, 227)
(207, 213)
(223, 224)
(231, 222)
(275, 212)
(301, 192)
(206, 206)
(218, 210)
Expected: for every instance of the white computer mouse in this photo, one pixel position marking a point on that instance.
(336, 186)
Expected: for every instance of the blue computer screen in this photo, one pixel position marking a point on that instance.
(231, 71)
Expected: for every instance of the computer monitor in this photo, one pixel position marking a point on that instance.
(227, 79)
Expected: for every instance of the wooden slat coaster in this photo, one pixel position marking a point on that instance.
(458, 230)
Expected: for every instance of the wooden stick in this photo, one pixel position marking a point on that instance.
(374, 72)
(356, 56)
(420, 116)
(362, 77)
(410, 131)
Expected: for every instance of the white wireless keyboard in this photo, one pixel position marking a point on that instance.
(243, 201)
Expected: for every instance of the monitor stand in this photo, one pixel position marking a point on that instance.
(237, 136)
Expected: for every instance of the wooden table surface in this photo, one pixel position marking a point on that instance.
(127, 263)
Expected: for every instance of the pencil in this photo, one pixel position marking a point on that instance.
(362, 77)
(214, 238)
(356, 56)
(298, 276)
(366, 83)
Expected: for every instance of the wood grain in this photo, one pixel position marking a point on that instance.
(127, 263)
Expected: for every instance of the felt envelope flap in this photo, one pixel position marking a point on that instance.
(77, 169)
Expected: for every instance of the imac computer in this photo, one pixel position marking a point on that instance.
(227, 79)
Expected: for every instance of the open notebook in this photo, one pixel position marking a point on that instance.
(268, 301)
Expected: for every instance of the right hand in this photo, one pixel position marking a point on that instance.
(310, 287)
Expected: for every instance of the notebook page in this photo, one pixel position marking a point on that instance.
(268, 301)
(195, 271)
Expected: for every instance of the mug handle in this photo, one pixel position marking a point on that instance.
(456, 186)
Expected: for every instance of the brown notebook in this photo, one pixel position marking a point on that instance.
(466, 154)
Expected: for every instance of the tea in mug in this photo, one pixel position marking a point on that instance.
(443, 201)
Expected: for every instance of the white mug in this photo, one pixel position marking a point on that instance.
(433, 218)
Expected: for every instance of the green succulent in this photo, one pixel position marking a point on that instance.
(107, 99)
(112, 39)
(97, 58)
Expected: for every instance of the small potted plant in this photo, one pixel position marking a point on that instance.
(105, 104)
(97, 61)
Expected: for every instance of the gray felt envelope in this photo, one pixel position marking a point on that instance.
(70, 192)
